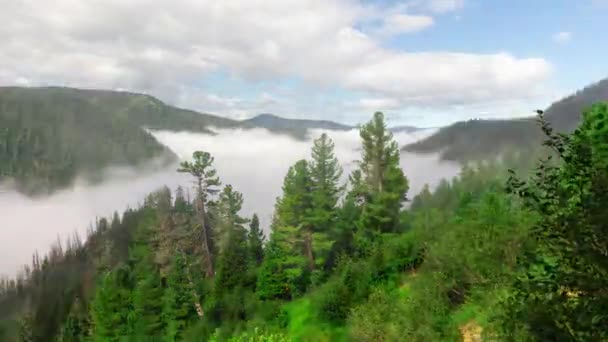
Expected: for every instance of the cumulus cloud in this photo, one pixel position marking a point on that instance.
(167, 48)
(404, 23)
(562, 37)
(253, 161)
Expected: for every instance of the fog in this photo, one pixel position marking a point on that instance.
(254, 161)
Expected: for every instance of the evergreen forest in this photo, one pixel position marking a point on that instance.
(514, 249)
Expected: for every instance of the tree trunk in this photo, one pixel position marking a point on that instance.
(308, 247)
(208, 262)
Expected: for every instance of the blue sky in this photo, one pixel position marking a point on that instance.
(519, 27)
(525, 28)
(423, 62)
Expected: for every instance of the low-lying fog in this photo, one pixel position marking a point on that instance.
(253, 161)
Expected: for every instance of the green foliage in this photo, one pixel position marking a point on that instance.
(275, 281)
(467, 257)
(561, 294)
(49, 136)
(112, 305)
(179, 308)
(201, 168)
(146, 316)
(382, 183)
(379, 319)
(255, 238)
(77, 325)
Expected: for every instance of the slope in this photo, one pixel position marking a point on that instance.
(297, 128)
(479, 139)
(48, 136)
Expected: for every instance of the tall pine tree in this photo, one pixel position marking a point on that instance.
(289, 257)
(201, 168)
(383, 183)
(255, 237)
(180, 300)
(325, 173)
(233, 260)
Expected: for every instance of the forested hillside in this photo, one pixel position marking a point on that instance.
(486, 255)
(49, 136)
(480, 139)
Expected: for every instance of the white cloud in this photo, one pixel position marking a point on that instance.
(562, 37)
(167, 48)
(373, 104)
(405, 23)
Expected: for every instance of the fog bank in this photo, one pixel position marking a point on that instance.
(254, 161)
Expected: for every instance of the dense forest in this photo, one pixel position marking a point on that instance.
(49, 136)
(490, 255)
(480, 139)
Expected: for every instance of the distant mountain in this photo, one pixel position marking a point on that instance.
(273, 122)
(480, 139)
(406, 129)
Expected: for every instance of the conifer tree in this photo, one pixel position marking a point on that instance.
(293, 211)
(77, 325)
(201, 168)
(274, 281)
(147, 308)
(256, 240)
(284, 269)
(325, 173)
(383, 184)
(179, 300)
(228, 207)
(112, 305)
(180, 200)
(164, 237)
(233, 260)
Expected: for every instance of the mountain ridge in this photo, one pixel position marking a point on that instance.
(480, 139)
(51, 135)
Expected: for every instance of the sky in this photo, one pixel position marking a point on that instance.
(423, 62)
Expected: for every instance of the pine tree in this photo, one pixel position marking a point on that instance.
(147, 308)
(293, 210)
(384, 186)
(325, 173)
(180, 204)
(290, 255)
(77, 325)
(273, 281)
(112, 306)
(180, 301)
(206, 179)
(256, 240)
(228, 207)
(164, 237)
(232, 265)
(233, 260)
